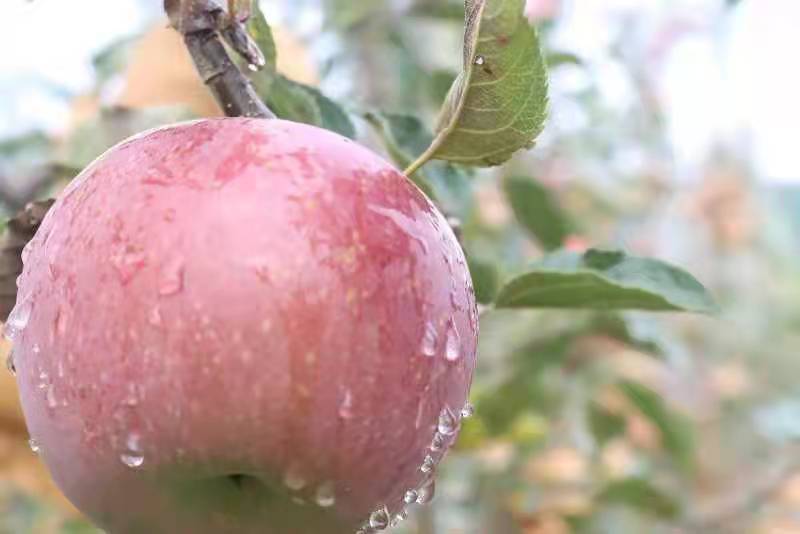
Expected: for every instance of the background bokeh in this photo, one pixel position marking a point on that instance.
(672, 134)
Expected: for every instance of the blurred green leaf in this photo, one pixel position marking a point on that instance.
(449, 9)
(289, 99)
(25, 150)
(537, 209)
(498, 104)
(485, 278)
(617, 328)
(556, 59)
(113, 59)
(77, 526)
(261, 32)
(642, 495)
(605, 425)
(440, 82)
(676, 430)
(404, 136)
(605, 280)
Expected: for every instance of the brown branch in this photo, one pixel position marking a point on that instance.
(17, 233)
(204, 25)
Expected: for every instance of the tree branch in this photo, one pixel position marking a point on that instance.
(204, 25)
(17, 233)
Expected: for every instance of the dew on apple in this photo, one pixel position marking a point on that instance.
(467, 411)
(438, 442)
(18, 319)
(410, 497)
(426, 493)
(34, 445)
(133, 457)
(52, 402)
(294, 479)
(428, 465)
(448, 423)
(44, 379)
(453, 345)
(480, 60)
(325, 495)
(171, 281)
(429, 338)
(154, 316)
(346, 406)
(401, 516)
(379, 519)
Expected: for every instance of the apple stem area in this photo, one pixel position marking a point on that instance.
(204, 25)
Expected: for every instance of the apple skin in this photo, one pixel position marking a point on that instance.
(220, 323)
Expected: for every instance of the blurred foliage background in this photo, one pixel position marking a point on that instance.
(586, 422)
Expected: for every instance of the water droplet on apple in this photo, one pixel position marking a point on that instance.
(480, 60)
(154, 317)
(379, 519)
(36, 348)
(410, 497)
(132, 460)
(18, 319)
(60, 324)
(426, 493)
(294, 479)
(325, 495)
(52, 402)
(346, 406)
(133, 457)
(399, 517)
(53, 271)
(453, 346)
(34, 445)
(467, 411)
(128, 261)
(171, 278)
(428, 465)
(438, 442)
(448, 423)
(429, 338)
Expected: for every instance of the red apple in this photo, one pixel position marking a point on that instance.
(240, 326)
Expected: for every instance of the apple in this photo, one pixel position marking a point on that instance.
(240, 326)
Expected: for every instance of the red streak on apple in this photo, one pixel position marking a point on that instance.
(237, 325)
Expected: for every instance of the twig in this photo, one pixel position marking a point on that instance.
(19, 231)
(204, 24)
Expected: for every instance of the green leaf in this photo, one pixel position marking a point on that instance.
(605, 425)
(676, 430)
(605, 280)
(538, 211)
(498, 104)
(556, 59)
(289, 99)
(641, 495)
(449, 10)
(404, 136)
(261, 32)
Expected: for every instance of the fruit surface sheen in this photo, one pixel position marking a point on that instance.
(243, 326)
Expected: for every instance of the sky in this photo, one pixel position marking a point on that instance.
(737, 83)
